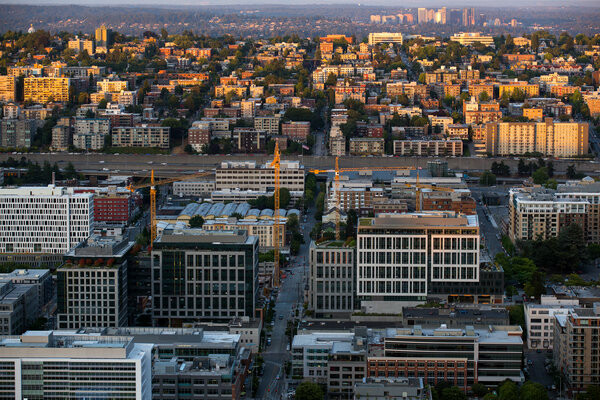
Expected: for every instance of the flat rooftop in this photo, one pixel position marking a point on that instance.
(427, 219)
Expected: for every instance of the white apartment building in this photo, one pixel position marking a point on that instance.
(538, 212)
(398, 254)
(89, 133)
(310, 353)
(539, 319)
(51, 364)
(250, 176)
(385, 37)
(141, 135)
(44, 220)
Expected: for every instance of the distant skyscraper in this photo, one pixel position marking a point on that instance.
(103, 37)
(422, 16)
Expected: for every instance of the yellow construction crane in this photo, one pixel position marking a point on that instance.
(276, 165)
(418, 186)
(152, 185)
(337, 171)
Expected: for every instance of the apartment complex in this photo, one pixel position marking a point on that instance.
(423, 147)
(558, 139)
(44, 219)
(399, 255)
(204, 275)
(540, 212)
(8, 88)
(462, 357)
(539, 319)
(332, 279)
(141, 135)
(90, 133)
(470, 38)
(267, 124)
(17, 133)
(385, 37)
(297, 131)
(353, 194)
(79, 45)
(46, 89)
(576, 347)
(367, 146)
(50, 365)
(92, 284)
(250, 176)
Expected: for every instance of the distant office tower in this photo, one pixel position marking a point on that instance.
(44, 220)
(69, 365)
(103, 37)
(422, 16)
(468, 16)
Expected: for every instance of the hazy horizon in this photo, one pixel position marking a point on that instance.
(369, 3)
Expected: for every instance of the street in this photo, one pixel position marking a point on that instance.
(290, 295)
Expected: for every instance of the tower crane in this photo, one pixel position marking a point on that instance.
(276, 165)
(418, 186)
(337, 171)
(152, 185)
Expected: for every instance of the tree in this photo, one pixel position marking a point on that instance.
(540, 176)
(479, 389)
(284, 197)
(309, 391)
(519, 269)
(591, 393)
(484, 96)
(533, 391)
(487, 179)
(102, 104)
(535, 287)
(452, 393)
(196, 221)
(508, 391)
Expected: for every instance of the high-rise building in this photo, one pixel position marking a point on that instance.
(46, 89)
(90, 133)
(17, 133)
(575, 347)
(204, 275)
(8, 88)
(80, 45)
(103, 38)
(51, 364)
(541, 212)
(558, 139)
(92, 284)
(400, 255)
(44, 220)
(332, 276)
(422, 16)
(539, 320)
